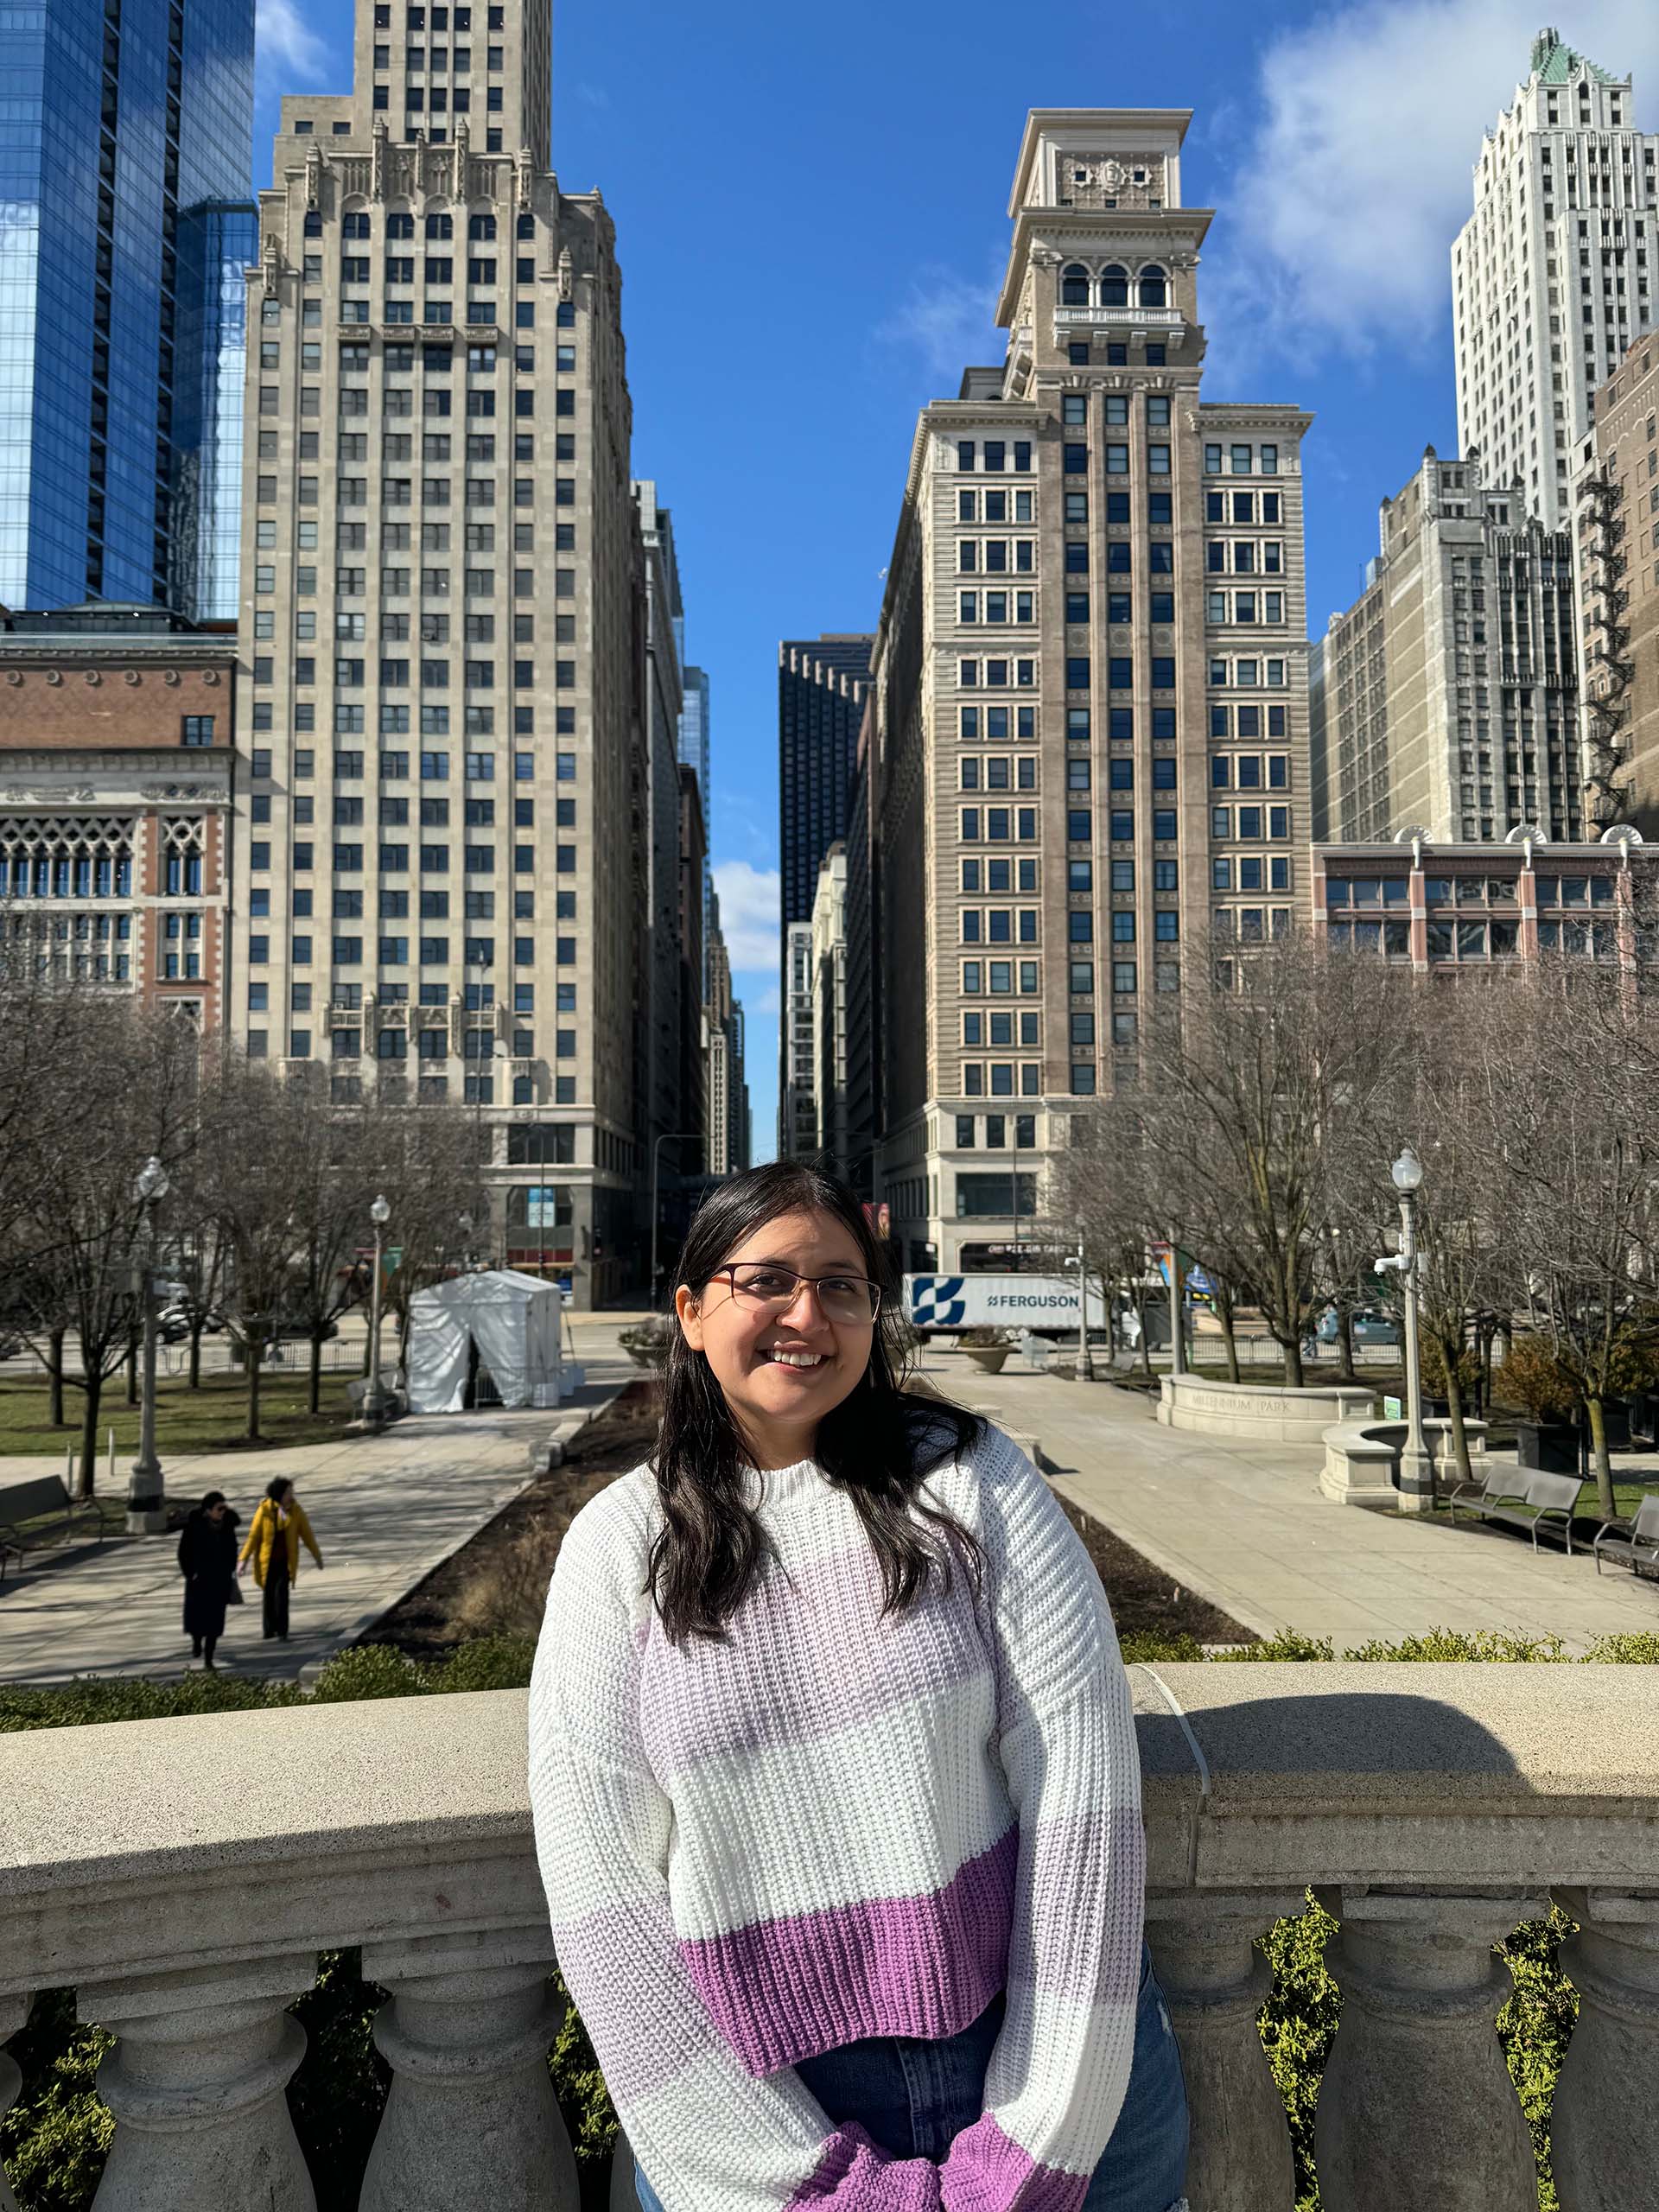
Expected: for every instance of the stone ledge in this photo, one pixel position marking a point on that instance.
(128, 1846)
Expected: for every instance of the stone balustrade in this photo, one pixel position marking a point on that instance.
(182, 1875)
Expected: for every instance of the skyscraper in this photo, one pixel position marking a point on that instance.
(1090, 685)
(1443, 700)
(822, 683)
(124, 175)
(1554, 273)
(820, 703)
(442, 630)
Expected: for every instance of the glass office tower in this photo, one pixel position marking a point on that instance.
(218, 241)
(121, 119)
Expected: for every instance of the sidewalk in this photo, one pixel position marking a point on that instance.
(1246, 1526)
(386, 1509)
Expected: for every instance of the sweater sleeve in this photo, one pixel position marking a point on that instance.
(710, 2136)
(1060, 2066)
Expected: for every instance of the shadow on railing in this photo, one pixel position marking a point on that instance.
(182, 1876)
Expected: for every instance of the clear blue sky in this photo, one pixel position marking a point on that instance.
(811, 214)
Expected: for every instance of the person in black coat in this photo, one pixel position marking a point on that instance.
(208, 1562)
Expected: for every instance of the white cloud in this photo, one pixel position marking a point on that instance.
(281, 35)
(1335, 229)
(592, 95)
(949, 320)
(750, 900)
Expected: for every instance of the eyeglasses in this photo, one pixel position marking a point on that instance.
(844, 1298)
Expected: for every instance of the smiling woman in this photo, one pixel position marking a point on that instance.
(834, 1776)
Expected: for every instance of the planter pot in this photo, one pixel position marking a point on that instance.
(1547, 1447)
(989, 1358)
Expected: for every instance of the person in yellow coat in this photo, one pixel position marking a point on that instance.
(279, 1529)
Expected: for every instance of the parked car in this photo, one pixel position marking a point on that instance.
(1369, 1327)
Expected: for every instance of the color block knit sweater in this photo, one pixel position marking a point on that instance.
(834, 1825)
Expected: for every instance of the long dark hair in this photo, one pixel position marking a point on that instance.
(877, 1445)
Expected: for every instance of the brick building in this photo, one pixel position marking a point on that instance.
(115, 797)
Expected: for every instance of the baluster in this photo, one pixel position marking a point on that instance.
(624, 2197)
(14, 2012)
(1416, 2107)
(1604, 2127)
(196, 2083)
(1214, 1981)
(471, 2124)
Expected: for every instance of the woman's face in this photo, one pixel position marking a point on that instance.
(784, 1366)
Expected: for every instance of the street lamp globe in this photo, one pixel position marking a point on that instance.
(1408, 1172)
(380, 1213)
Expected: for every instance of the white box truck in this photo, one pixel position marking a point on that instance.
(1046, 1305)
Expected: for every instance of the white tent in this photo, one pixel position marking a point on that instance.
(514, 1321)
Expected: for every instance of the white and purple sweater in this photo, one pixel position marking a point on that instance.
(833, 1826)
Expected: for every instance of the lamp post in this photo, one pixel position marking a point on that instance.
(1417, 1467)
(374, 1399)
(1086, 1364)
(667, 1136)
(146, 1502)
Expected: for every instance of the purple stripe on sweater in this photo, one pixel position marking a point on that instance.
(806, 1657)
(785, 1990)
(856, 2174)
(986, 2170)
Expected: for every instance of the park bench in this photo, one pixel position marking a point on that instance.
(1541, 1505)
(34, 1500)
(1633, 1543)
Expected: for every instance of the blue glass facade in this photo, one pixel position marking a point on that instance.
(217, 243)
(119, 117)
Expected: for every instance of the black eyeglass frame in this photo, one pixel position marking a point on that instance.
(730, 1273)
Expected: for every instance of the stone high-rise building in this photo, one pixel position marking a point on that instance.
(828, 987)
(660, 1041)
(1443, 700)
(726, 1149)
(1555, 272)
(798, 1106)
(1616, 541)
(1091, 689)
(440, 722)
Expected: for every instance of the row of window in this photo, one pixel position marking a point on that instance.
(1120, 671)
(994, 506)
(1244, 557)
(393, 767)
(1115, 407)
(1245, 872)
(1074, 459)
(997, 1137)
(1250, 823)
(1250, 771)
(1240, 460)
(1241, 506)
(348, 951)
(1469, 890)
(995, 1028)
(1079, 289)
(1224, 607)
(1002, 1080)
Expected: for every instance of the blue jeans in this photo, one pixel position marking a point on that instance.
(915, 2095)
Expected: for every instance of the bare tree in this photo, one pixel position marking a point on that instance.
(254, 1158)
(78, 1247)
(426, 1163)
(1266, 1090)
(1572, 1106)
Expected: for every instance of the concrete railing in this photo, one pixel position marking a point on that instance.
(182, 1875)
(1259, 1413)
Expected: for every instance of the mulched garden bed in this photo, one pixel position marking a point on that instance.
(496, 1584)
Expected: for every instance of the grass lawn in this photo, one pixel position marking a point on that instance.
(212, 1419)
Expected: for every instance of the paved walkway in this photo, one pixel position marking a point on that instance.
(1246, 1526)
(387, 1511)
